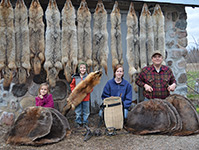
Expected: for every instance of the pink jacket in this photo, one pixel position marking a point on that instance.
(47, 101)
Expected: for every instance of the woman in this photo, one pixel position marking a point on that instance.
(120, 87)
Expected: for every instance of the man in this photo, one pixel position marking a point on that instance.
(157, 79)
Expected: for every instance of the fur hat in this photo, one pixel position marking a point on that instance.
(156, 52)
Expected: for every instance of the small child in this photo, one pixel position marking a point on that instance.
(44, 99)
(82, 110)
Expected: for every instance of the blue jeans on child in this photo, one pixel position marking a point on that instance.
(82, 110)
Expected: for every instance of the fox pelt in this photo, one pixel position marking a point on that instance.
(116, 36)
(84, 33)
(158, 28)
(100, 38)
(7, 42)
(132, 38)
(146, 36)
(69, 40)
(81, 90)
(53, 56)
(36, 35)
(22, 50)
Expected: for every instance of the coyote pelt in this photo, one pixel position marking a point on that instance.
(100, 38)
(84, 33)
(146, 36)
(158, 28)
(69, 40)
(36, 35)
(7, 42)
(22, 50)
(52, 63)
(116, 36)
(132, 39)
(81, 90)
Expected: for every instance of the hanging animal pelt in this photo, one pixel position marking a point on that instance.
(146, 36)
(36, 35)
(53, 56)
(158, 28)
(7, 42)
(81, 90)
(22, 50)
(100, 38)
(69, 40)
(84, 33)
(132, 38)
(116, 36)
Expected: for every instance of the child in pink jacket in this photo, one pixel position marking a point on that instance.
(44, 99)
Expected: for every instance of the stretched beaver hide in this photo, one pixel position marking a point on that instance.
(37, 126)
(146, 36)
(36, 35)
(100, 38)
(81, 90)
(69, 40)
(84, 33)
(132, 39)
(7, 42)
(153, 116)
(53, 56)
(116, 36)
(22, 51)
(187, 112)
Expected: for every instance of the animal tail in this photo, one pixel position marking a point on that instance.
(66, 109)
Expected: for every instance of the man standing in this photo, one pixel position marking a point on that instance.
(157, 79)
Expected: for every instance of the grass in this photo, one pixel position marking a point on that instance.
(191, 80)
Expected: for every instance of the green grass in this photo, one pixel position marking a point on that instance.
(191, 80)
(193, 96)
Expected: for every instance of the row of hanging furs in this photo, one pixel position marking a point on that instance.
(62, 48)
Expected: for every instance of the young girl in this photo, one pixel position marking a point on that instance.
(82, 110)
(44, 99)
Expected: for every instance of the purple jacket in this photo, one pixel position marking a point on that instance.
(47, 101)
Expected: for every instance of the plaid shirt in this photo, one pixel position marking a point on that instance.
(158, 81)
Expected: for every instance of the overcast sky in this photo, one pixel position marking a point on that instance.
(192, 25)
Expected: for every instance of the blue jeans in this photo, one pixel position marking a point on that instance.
(82, 110)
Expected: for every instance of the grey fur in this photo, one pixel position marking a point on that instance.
(53, 56)
(100, 38)
(116, 36)
(36, 35)
(84, 33)
(69, 40)
(22, 50)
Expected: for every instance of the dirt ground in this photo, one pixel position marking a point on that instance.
(122, 140)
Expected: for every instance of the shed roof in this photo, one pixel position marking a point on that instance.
(194, 3)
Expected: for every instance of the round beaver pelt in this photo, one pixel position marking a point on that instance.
(187, 112)
(40, 78)
(59, 92)
(153, 116)
(19, 90)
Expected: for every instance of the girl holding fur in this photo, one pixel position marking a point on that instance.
(82, 110)
(44, 99)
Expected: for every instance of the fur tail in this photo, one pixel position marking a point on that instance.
(66, 109)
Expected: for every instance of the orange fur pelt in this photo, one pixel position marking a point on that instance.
(81, 90)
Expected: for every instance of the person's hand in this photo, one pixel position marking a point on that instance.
(171, 87)
(148, 88)
(41, 96)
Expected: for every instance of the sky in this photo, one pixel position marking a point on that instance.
(192, 26)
